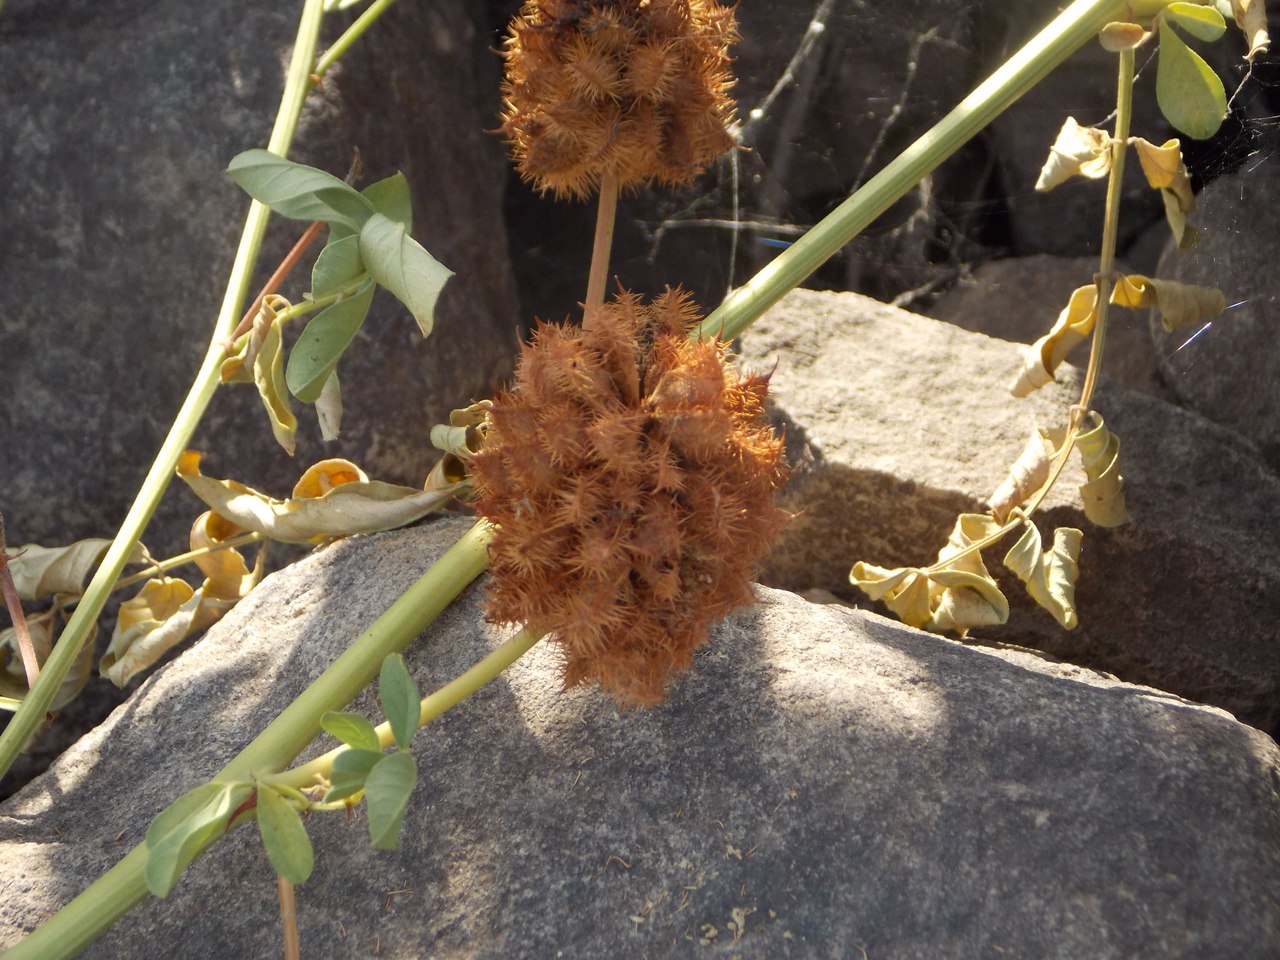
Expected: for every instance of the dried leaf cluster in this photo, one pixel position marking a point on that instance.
(636, 89)
(630, 473)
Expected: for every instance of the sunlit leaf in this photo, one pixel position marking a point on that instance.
(1078, 151)
(284, 836)
(1190, 94)
(1179, 303)
(390, 197)
(400, 699)
(190, 824)
(268, 377)
(339, 264)
(1051, 575)
(1027, 474)
(1251, 17)
(964, 594)
(339, 509)
(1202, 22)
(40, 572)
(401, 265)
(350, 768)
(297, 191)
(1102, 494)
(904, 590)
(1043, 357)
(1166, 172)
(329, 408)
(387, 790)
(352, 729)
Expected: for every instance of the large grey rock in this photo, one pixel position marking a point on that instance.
(1228, 373)
(824, 783)
(899, 423)
(120, 229)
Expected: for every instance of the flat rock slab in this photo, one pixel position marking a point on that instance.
(898, 423)
(825, 783)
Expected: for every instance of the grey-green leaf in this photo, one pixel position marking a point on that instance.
(323, 341)
(387, 791)
(339, 263)
(390, 197)
(284, 836)
(189, 825)
(298, 191)
(1203, 23)
(400, 699)
(399, 263)
(352, 729)
(350, 768)
(1190, 94)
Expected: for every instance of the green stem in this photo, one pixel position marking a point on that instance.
(1068, 32)
(122, 887)
(38, 699)
(350, 36)
(433, 706)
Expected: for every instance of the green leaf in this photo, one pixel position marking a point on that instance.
(400, 264)
(390, 197)
(1190, 94)
(185, 828)
(339, 263)
(350, 768)
(387, 791)
(1203, 23)
(298, 191)
(352, 729)
(400, 699)
(284, 836)
(323, 341)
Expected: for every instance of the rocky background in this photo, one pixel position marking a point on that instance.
(117, 117)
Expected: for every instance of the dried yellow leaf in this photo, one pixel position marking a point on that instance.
(1251, 17)
(964, 595)
(1043, 357)
(1027, 475)
(1102, 495)
(1166, 172)
(1077, 152)
(329, 408)
(1050, 575)
(13, 680)
(1179, 303)
(59, 571)
(334, 499)
(904, 590)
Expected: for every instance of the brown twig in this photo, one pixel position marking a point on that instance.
(605, 216)
(30, 663)
(286, 266)
(288, 918)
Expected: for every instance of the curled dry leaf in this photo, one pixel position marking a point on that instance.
(956, 593)
(168, 610)
(1102, 495)
(1050, 575)
(1027, 475)
(1251, 17)
(259, 359)
(1179, 303)
(1042, 358)
(329, 408)
(13, 679)
(60, 571)
(1166, 172)
(1078, 152)
(460, 440)
(334, 498)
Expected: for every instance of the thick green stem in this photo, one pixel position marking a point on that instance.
(122, 887)
(1073, 27)
(38, 699)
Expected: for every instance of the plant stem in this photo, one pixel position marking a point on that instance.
(349, 36)
(433, 706)
(163, 566)
(288, 918)
(606, 214)
(1077, 24)
(30, 661)
(37, 701)
(273, 282)
(122, 887)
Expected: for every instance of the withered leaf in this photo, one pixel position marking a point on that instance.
(1179, 303)
(1027, 475)
(13, 680)
(1043, 357)
(60, 571)
(1166, 172)
(1077, 152)
(1102, 495)
(1050, 575)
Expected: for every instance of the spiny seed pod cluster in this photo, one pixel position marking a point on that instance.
(633, 88)
(630, 472)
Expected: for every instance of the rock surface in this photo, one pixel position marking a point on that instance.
(898, 423)
(1228, 374)
(824, 783)
(120, 229)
